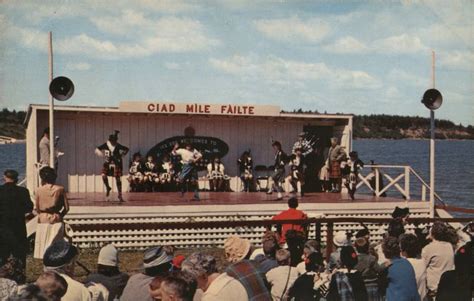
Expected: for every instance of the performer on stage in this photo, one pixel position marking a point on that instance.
(246, 170)
(167, 176)
(216, 175)
(297, 172)
(135, 173)
(278, 175)
(151, 170)
(189, 157)
(303, 144)
(351, 172)
(113, 165)
(336, 156)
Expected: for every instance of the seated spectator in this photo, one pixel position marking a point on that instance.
(108, 273)
(295, 241)
(8, 286)
(438, 256)
(346, 282)
(310, 247)
(340, 240)
(401, 214)
(157, 263)
(282, 277)
(30, 292)
(177, 261)
(267, 260)
(304, 288)
(290, 213)
(410, 249)
(395, 229)
(178, 286)
(52, 285)
(401, 281)
(216, 286)
(368, 267)
(456, 284)
(237, 251)
(60, 257)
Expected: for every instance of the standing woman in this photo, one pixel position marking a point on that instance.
(52, 206)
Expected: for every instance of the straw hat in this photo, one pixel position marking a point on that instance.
(340, 239)
(236, 248)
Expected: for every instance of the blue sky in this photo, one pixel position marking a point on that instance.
(335, 56)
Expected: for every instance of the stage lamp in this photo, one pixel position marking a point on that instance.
(432, 99)
(61, 88)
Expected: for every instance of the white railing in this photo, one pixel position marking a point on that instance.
(401, 182)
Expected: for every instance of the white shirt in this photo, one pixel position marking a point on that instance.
(76, 291)
(227, 288)
(217, 167)
(187, 156)
(301, 268)
(439, 258)
(278, 277)
(420, 275)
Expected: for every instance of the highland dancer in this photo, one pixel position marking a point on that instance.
(113, 165)
(297, 172)
(278, 175)
(189, 157)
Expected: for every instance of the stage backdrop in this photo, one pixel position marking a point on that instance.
(82, 129)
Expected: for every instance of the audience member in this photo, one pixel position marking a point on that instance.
(346, 282)
(395, 229)
(368, 267)
(411, 250)
(52, 206)
(216, 286)
(304, 288)
(60, 258)
(15, 203)
(178, 286)
(438, 256)
(108, 273)
(457, 284)
(267, 260)
(177, 261)
(30, 292)
(289, 214)
(295, 241)
(340, 240)
(310, 247)
(401, 280)
(282, 277)
(237, 251)
(52, 285)
(157, 263)
(8, 286)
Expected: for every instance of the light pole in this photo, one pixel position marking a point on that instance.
(432, 99)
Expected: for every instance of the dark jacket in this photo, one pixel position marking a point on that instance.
(14, 204)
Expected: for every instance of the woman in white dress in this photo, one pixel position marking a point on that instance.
(52, 206)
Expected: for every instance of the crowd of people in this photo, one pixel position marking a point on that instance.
(287, 266)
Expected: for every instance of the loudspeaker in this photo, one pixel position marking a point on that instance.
(61, 88)
(432, 99)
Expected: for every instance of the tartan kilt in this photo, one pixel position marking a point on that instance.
(112, 170)
(335, 169)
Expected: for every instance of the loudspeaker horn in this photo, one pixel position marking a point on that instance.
(61, 88)
(432, 99)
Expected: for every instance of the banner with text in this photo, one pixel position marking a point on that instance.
(198, 108)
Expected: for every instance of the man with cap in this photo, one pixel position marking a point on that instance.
(108, 273)
(60, 257)
(113, 152)
(157, 263)
(15, 203)
(335, 156)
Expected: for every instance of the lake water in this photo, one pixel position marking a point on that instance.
(454, 163)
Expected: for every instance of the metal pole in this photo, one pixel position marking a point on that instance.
(51, 103)
(432, 146)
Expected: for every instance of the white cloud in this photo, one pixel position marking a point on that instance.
(78, 66)
(279, 71)
(293, 29)
(404, 43)
(172, 66)
(459, 60)
(347, 45)
(401, 76)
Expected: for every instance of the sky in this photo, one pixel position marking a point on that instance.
(361, 57)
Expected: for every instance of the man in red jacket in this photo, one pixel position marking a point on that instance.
(290, 213)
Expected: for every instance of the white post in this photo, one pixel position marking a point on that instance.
(407, 183)
(432, 147)
(51, 103)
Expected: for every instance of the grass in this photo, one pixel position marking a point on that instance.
(130, 261)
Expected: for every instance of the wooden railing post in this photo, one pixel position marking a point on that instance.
(423, 193)
(377, 182)
(329, 238)
(407, 182)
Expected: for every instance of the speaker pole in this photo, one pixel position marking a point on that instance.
(432, 143)
(51, 102)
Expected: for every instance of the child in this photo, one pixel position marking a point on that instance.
(151, 173)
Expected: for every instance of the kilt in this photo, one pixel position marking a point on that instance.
(278, 175)
(188, 172)
(112, 170)
(335, 170)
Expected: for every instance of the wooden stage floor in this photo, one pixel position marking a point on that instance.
(209, 198)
